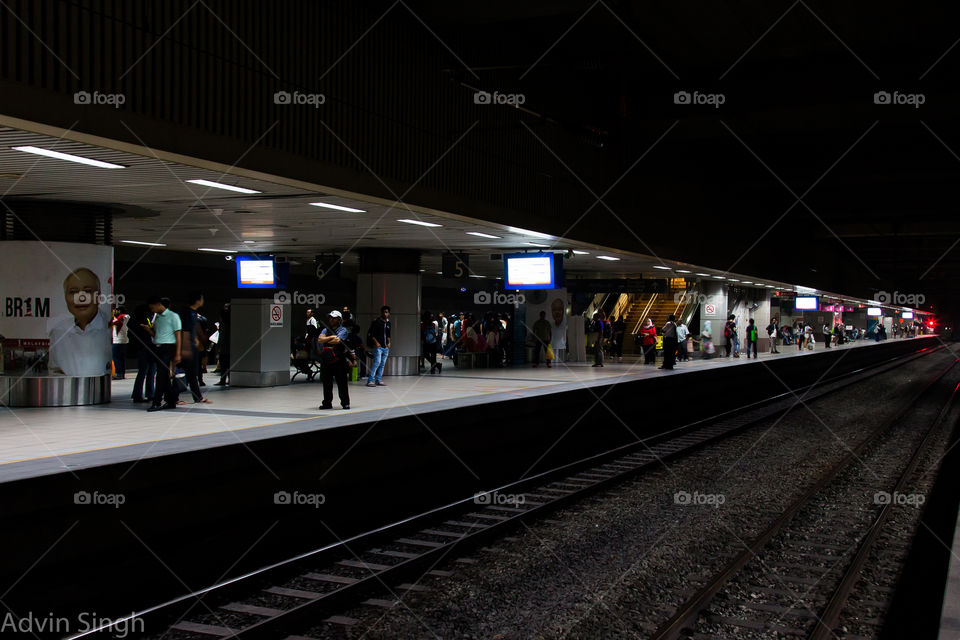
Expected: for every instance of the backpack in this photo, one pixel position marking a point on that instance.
(727, 332)
(607, 330)
(429, 335)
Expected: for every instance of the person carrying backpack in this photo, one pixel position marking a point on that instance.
(753, 336)
(334, 358)
(729, 333)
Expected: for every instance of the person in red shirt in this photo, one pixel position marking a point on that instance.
(648, 339)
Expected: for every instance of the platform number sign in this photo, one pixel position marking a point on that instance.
(710, 309)
(456, 266)
(276, 315)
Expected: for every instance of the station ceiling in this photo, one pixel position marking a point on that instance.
(156, 208)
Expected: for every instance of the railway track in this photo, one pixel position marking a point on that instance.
(321, 584)
(795, 578)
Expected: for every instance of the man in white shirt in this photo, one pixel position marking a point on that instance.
(80, 341)
(120, 327)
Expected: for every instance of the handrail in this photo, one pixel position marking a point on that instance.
(621, 304)
(644, 313)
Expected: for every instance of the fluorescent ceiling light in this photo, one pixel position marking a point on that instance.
(326, 205)
(146, 244)
(606, 258)
(68, 156)
(482, 235)
(748, 282)
(535, 244)
(527, 232)
(473, 275)
(734, 280)
(581, 253)
(660, 266)
(705, 275)
(719, 277)
(216, 250)
(683, 271)
(769, 286)
(220, 185)
(419, 222)
(249, 242)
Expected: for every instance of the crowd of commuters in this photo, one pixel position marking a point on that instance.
(175, 346)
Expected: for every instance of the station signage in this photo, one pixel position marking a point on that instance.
(838, 308)
(618, 285)
(455, 265)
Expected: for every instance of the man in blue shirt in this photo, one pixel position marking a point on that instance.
(334, 356)
(165, 330)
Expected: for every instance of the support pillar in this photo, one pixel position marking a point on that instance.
(392, 277)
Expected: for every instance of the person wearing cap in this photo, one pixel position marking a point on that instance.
(334, 357)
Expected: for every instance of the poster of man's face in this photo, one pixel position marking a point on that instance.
(554, 308)
(81, 290)
(557, 311)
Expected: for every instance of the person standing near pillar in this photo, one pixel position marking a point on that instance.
(378, 340)
(120, 326)
(774, 333)
(334, 358)
(669, 342)
(542, 335)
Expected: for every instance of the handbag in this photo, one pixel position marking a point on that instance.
(550, 352)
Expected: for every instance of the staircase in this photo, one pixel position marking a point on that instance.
(656, 306)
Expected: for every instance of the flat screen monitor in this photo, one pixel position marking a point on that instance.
(807, 303)
(528, 271)
(874, 311)
(907, 315)
(255, 273)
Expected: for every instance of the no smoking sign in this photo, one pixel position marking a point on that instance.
(276, 315)
(710, 309)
